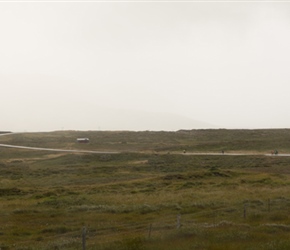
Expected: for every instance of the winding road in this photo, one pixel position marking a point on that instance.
(108, 152)
(55, 149)
(58, 150)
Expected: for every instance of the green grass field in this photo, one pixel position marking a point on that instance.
(132, 200)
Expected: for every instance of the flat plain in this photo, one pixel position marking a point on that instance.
(150, 195)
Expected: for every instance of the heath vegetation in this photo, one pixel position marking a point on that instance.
(150, 195)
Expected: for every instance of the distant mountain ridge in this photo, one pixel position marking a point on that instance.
(113, 119)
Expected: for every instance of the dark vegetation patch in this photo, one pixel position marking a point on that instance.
(11, 191)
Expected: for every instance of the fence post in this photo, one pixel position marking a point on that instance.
(245, 211)
(269, 205)
(178, 221)
(84, 232)
(215, 219)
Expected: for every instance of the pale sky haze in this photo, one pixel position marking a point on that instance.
(144, 65)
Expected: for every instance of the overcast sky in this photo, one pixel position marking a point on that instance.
(144, 65)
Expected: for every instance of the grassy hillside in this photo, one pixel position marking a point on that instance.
(191, 140)
(133, 200)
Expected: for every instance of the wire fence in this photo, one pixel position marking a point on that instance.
(242, 216)
(200, 215)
